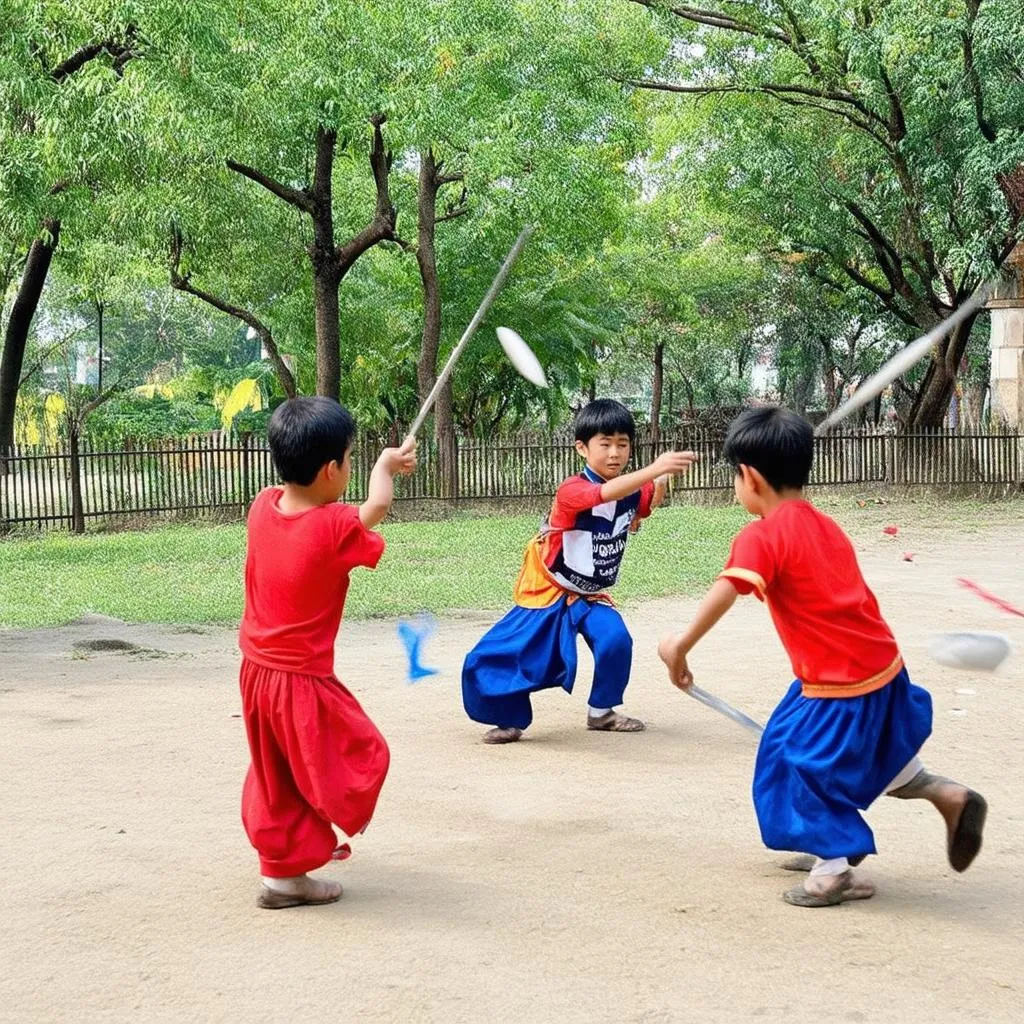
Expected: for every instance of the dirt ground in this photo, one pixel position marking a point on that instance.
(574, 877)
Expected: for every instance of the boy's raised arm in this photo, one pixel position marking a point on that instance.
(668, 463)
(381, 489)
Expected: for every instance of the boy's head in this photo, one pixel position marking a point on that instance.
(605, 433)
(772, 450)
(311, 442)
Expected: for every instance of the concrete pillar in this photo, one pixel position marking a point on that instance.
(1006, 308)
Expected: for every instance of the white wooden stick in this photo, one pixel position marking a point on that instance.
(905, 359)
(489, 298)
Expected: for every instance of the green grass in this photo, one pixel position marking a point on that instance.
(193, 574)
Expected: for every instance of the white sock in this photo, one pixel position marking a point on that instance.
(835, 866)
(285, 885)
(914, 767)
(597, 712)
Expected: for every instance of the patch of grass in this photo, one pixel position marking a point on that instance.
(193, 574)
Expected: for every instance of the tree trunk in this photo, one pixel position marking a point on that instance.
(331, 262)
(33, 278)
(75, 469)
(430, 184)
(931, 403)
(426, 258)
(657, 386)
(328, 330)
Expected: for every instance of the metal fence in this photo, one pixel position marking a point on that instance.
(196, 476)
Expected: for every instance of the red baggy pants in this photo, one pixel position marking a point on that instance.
(317, 759)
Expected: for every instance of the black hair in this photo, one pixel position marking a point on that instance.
(778, 443)
(604, 416)
(307, 433)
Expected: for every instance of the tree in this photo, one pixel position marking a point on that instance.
(53, 91)
(691, 298)
(886, 140)
(76, 101)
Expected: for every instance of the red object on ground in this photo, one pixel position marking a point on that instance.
(908, 556)
(987, 595)
(890, 531)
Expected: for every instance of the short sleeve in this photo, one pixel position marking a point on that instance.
(751, 564)
(646, 500)
(576, 495)
(357, 545)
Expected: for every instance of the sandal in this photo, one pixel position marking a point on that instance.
(965, 838)
(849, 887)
(313, 892)
(612, 721)
(500, 734)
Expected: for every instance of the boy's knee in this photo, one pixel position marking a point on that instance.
(619, 644)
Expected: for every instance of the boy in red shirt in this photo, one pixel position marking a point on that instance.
(851, 726)
(317, 759)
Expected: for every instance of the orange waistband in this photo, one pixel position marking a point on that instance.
(536, 589)
(876, 682)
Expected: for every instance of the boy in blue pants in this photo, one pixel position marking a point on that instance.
(562, 588)
(852, 725)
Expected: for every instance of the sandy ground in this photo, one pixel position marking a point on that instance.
(574, 877)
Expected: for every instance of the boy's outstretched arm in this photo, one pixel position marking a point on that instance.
(667, 464)
(381, 490)
(673, 649)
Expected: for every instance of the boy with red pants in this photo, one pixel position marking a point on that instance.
(317, 759)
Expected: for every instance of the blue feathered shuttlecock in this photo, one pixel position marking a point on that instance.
(413, 634)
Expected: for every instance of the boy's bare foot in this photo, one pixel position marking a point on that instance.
(830, 890)
(501, 735)
(962, 809)
(298, 892)
(612, 721)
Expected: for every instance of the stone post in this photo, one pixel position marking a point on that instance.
(1006, 308)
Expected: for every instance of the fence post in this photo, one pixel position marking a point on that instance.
(75, 469)
(246, 469)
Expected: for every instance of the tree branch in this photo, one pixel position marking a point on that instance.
(454, 214)
(323, 164)
(897, 119)
(297, 197)
(120, 51)
(785, 94)
(181, 282)
(716, 19)
(104, 396)
(385, 217)
(973, 79)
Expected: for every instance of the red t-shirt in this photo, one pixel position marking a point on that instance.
(296, 579)
(801, 563)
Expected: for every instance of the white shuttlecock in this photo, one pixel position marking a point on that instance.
(983, 652)
(521, 356)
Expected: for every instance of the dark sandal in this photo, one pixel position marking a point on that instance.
(965, 840)
(614, 722)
